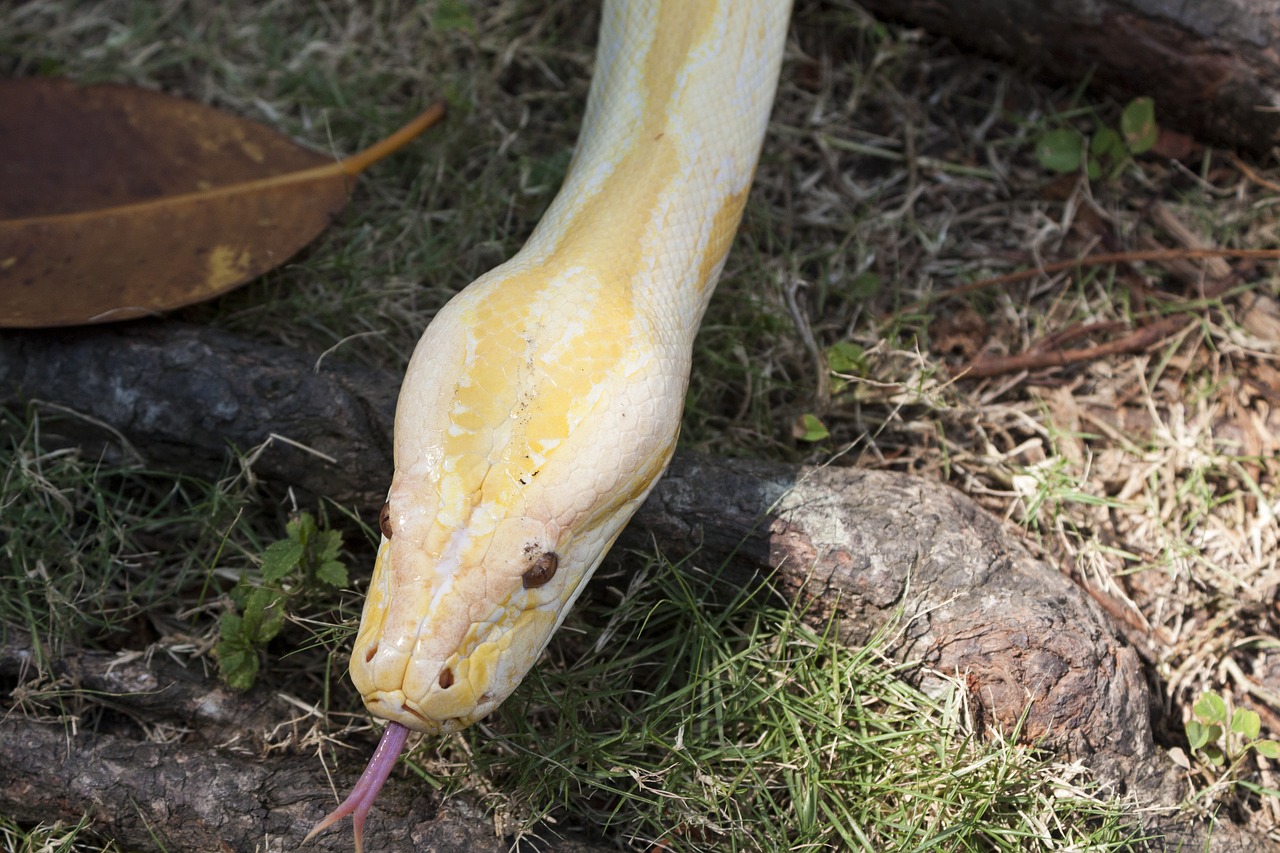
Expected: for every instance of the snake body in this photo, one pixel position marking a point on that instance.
(543, 401)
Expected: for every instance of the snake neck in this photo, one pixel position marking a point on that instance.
(675, 118)
(544, 400)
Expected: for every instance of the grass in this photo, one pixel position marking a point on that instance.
(48, 838)
(709, 724)
(895, 169)
(93, 549)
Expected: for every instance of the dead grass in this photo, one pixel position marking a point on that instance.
(897, 168)
(1150, 477)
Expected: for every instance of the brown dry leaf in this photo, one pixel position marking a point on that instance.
(962, 333)
(1260, 315)
(120, 202)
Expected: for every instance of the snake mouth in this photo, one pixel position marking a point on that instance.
(395, 708)
(404, 708)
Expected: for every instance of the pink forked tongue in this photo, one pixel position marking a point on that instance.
(360, 800)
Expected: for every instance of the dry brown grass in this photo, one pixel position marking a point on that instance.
(1151, 477)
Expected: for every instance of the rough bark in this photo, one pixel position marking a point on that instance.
(1210, 65)
(187, 394)
(958, 591)
(230, 783)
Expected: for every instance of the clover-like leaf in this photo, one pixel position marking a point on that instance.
(1107, 143)
(846, 359)
(809, 428)
(1211, 708)
(1138, 124)
(1267, 748)
(1061, 150)
(1246, 722)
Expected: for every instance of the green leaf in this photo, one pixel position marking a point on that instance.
(239, 669)
(332, 572)
(230, 625)
(280, 559)
(1060, 150)
(847, 358)
(1267, 748)
(239, 593)
(1211, 708)
(1197, 735)
(237, 661)
(328, 543)
(1108, 144)
(1214, 754)
(302, 528)
(1138, 124)
(256, 602)
(1093, 168)
(1246, 722)
(263, 615)
(811, 429)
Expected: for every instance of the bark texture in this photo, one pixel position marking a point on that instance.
(957, 589)
(188, 394)
(226, 784)
(1211, 65)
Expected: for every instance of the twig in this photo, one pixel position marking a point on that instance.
(1103, 259)
(1252, 175)
(1037, 359)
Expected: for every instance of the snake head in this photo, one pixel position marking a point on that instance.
(526, 436)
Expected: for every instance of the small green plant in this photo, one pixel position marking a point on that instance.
(306, 560)
(846, 360)
(1066, 149)
(1225, 740)
(808, 427)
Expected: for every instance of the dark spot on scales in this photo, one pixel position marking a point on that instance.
(542, 571)
(384, 519)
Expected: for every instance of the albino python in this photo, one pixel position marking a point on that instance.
(543, 402)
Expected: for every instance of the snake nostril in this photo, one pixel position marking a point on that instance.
(446, 678)
(371, 653)
(384, 519)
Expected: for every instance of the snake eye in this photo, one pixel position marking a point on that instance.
(542, 571)
(384, 519)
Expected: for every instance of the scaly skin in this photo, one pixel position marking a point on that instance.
(543, 402)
